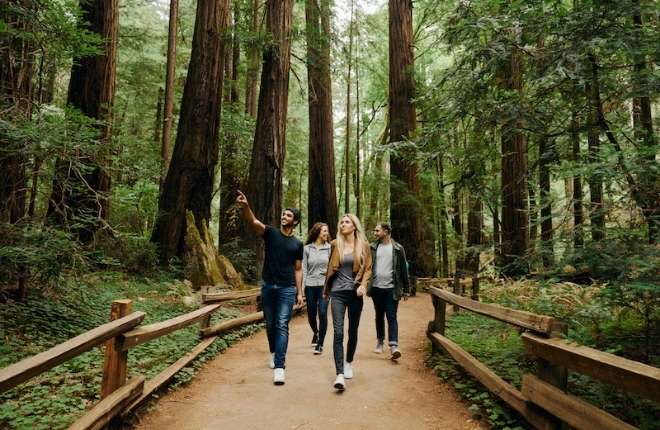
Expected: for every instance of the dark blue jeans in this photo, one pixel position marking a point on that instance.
(385, 305)
(340, 302)
(316, 305)
(277, 302)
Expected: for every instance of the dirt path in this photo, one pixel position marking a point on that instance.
(235, 391)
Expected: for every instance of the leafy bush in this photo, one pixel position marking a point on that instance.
(42, 254)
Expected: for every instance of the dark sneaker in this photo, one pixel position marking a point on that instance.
(318, 349)
(315, 339)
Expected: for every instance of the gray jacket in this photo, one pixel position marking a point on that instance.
(315, 264)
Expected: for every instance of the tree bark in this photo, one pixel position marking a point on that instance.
(190, 178)
(475, 228)
(405, 209)
(78, 194)
(444, 249)
(457, 224)
(347, 141)
(578, 238)
(595, 180)
(545, 201)
(16, 70)
(159, 115)
(644, 133)
(514, 181)
(321, 191)
(264, 189)
(170, 75)
(253, 62)
(235, 53)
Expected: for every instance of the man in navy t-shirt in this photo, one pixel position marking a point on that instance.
(282, 279)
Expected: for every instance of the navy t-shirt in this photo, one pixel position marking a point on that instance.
(280, 257)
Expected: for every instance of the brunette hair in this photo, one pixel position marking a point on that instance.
(314, 232)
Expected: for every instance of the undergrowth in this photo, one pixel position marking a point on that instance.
(54, 399)
(592, 322)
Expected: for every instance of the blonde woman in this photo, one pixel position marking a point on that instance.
(349, 271)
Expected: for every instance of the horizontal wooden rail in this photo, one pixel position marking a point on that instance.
(538, 323)
(102, 413)
(574, 411)
(225, 326)
(19, 372)
(618, 371)
(153, 331)
(230, 295)
(159, 380)
(494, 383)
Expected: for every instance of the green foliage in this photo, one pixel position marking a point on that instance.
(41, 254)
(54, 399)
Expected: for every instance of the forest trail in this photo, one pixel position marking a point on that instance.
(235, 390)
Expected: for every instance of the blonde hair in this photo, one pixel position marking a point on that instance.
(360, 239)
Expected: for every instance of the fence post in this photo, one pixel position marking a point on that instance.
(552, 373)
(475, 287)
(457, 288)
(206, 321)
(116, 360)
(438, 323)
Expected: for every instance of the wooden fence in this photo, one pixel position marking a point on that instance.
(119, 393)
(543, 401)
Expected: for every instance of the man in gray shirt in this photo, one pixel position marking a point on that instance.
(388, 284)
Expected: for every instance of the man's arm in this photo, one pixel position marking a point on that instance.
(299, 295)
(258, 227)
(405, 278)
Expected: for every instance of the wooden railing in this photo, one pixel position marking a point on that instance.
(543, 401)
(119, 393)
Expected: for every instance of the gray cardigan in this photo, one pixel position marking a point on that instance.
(315, 264)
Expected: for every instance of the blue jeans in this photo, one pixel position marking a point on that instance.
(277, 302)
(385, 305)
(340, 303)
(317, 305)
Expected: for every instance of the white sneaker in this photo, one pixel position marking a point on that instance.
(379, 348)
(348, 370)
(271, 363)
(340, 384)
(396, 354)
(278, 376)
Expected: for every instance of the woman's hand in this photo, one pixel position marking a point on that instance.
(361, 291)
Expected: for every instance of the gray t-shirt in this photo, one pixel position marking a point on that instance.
(315, 264)
(383, 277)
(343, 279)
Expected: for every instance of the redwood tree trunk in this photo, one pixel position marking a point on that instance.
(444, 249)
(190, 178)
(322, 197)
(596, 211)
(514, 183)
(405, 209)
(578, 238)
(475, 228)
(16, 70)
(264, 189)
(79, 194)
(168, 118)
(545, 202)
(252, 62)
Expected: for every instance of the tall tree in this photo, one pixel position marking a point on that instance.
(405, 210)
(347, 140)
(322, 198)
(81, 192)
(170, 74)
(514, 183)
(190, 178)
(578, 238)
(595, 179)
(252, 61)
(264, 189)
(16, 70)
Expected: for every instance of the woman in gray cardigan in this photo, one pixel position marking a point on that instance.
(316, 254)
